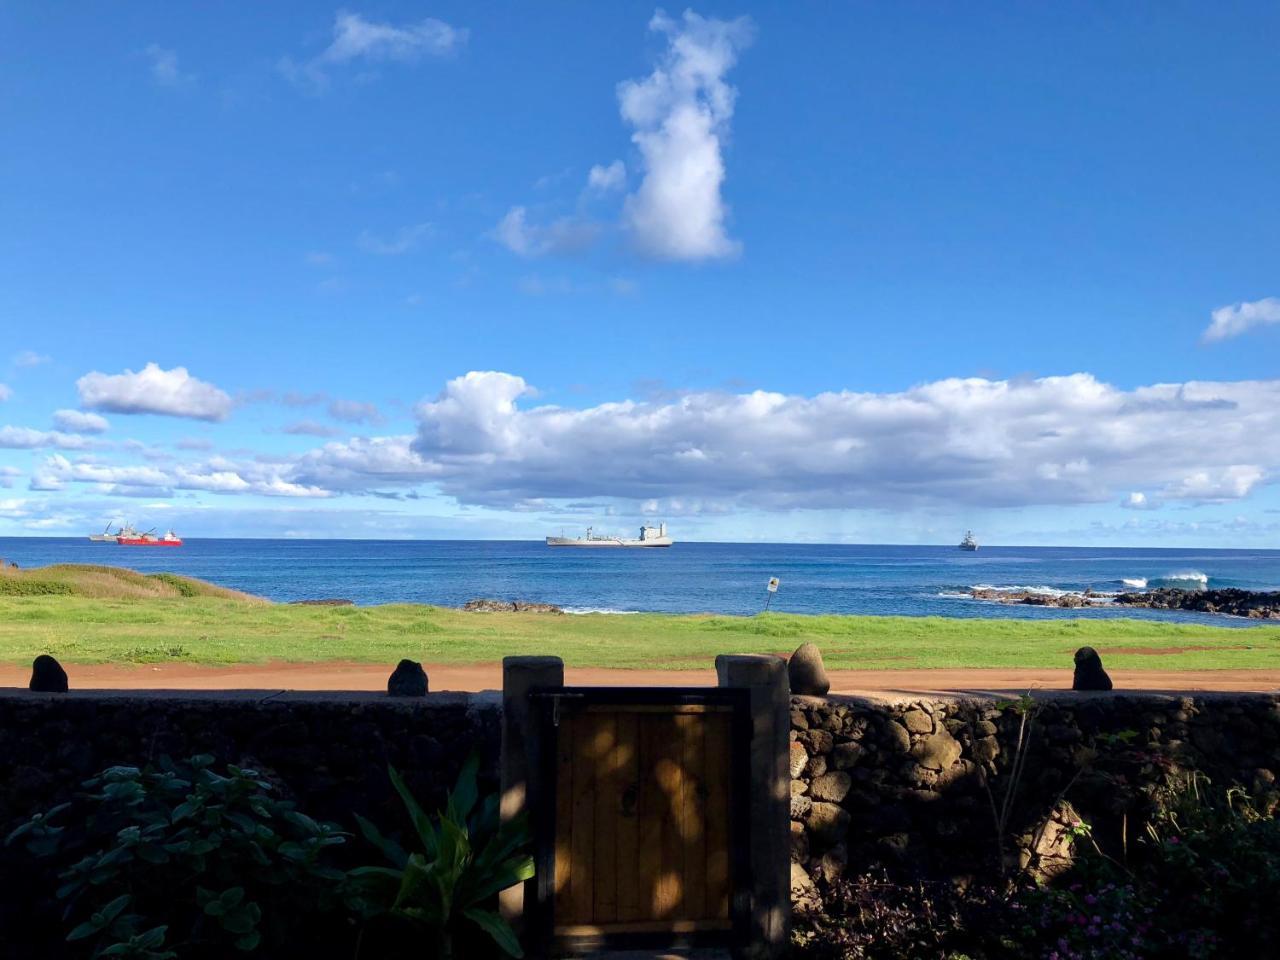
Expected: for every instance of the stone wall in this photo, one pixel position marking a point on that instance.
(913, 788)
(329, 752)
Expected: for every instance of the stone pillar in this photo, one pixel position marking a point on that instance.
(770, 798)
(519, 676)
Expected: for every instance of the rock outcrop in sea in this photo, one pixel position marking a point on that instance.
(484, 605)
(1239, 603)
(1038, 598)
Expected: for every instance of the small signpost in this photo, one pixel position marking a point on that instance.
(771, 589)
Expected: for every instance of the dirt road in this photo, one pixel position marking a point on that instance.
(337, 675)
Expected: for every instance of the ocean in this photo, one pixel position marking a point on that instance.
(686, 578)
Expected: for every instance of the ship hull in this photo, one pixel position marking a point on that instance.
(102, 538)
(148, 543)
(968, 548)
(616, 544)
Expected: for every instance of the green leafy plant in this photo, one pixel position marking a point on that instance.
(184, 861)
(467, 856)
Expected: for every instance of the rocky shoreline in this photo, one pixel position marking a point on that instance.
(1040, 598)
(1237, 603)
(1254, 605)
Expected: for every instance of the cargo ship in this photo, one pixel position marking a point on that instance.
(149, 539)
(649, 537)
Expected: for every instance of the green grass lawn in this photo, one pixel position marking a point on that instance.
(213, 630)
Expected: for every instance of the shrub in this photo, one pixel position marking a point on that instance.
(446, 889)
(181, 861)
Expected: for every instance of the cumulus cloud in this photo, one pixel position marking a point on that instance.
(966, 442)
(215, 475)
(77, 421)
(356, 38)
(24, 438)
(171, 393)
(565, 235)
(1235, 319)
(605, 179)
(681, 114)
(5, 393)
(8, 475)
(402, 241)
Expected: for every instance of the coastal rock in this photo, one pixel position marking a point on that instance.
(407, 680)
(1037, 598)
(1089, 674)
(520, 606)
(1257, 605)
(485, 605)
(47, 675)
(806, 672)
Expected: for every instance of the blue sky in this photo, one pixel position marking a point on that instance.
(863, 272)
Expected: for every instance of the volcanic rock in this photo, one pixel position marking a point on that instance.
(47, 675)
(407, 680)
(807, 674)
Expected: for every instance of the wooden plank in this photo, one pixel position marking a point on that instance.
(581, 886)
(629, 899)
(649, 814)
(608, 799)
(715, 779)
(693, 820)
(669, 894)
(642, 926)
(564, 818)
(663, 708)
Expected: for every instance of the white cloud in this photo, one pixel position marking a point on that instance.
(5, 393)
(77, 421)
(1137, 500)
(681, 115)
(24, 438)
(7, 476)
(1225, 483)
(354, 411)
(214, 475)
(1235, 319)
(566, 235)
(29, 358)
(172, 393)
(309, 428)
(164, 67)
(604, 179)
(960, 442)
(402, 241)
(358, 39)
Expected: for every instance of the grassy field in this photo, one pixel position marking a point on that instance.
(107, 615)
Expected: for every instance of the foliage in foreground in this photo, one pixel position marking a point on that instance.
(184, 861)
(467, 856)
(1203, 882)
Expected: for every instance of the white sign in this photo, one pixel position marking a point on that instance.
(773, 585)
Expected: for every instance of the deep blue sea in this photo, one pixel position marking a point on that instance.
(687, 578)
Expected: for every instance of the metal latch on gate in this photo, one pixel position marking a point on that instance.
(555, 705)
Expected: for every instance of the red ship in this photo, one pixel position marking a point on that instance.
(149, 539)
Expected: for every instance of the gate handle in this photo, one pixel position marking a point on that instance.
(555, 705)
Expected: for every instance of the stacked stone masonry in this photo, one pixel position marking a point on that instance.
(908, 788)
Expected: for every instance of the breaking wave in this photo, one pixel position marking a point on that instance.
(1184, 577)
(1137, 583)
(608, 610)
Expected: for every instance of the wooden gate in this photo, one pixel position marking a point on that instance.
(641, 815)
